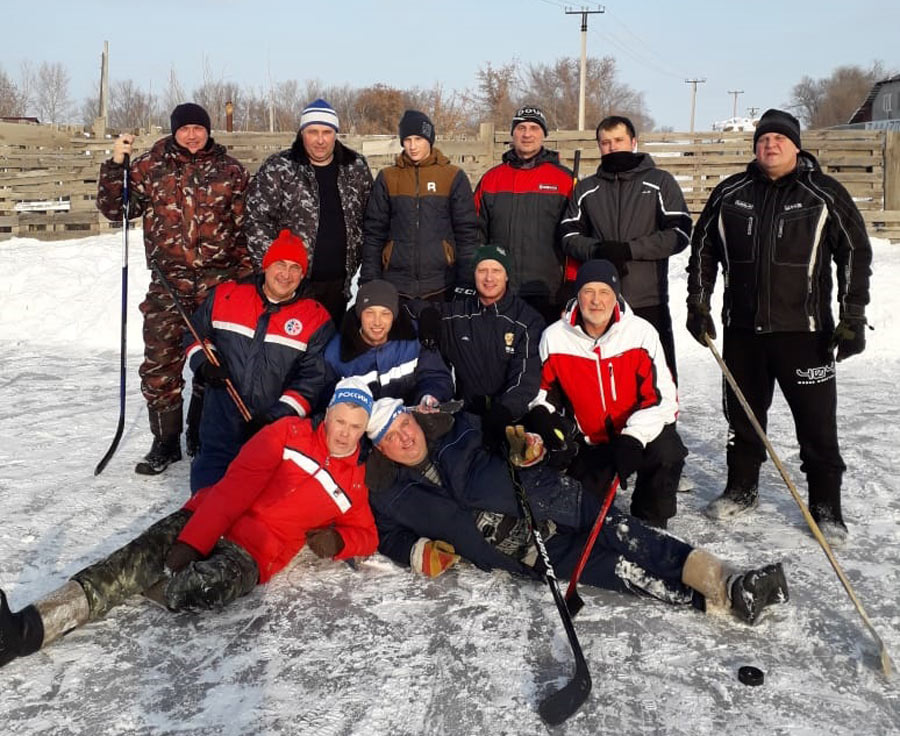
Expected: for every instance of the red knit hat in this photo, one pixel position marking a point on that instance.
(286, 247)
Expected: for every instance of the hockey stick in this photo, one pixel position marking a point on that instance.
(562, 704)
(210, 355)
(814, 527)
(573, 601)
(122, 357)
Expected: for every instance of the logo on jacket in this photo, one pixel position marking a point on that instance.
(817, 374)
(745, 205)
(431, 187)
(548, 188)
(795, 206)
(293, 327)
(508, 338)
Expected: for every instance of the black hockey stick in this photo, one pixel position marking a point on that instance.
(122, 357)
(562, 704)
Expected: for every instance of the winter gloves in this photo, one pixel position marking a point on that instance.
(525, 448)
(325, 543)
(849, 337)
(432, 557)
(629, 454)
(180, 556)
(700, 323)
(554, 431)
(430, 328)
(615, 251)
(214, 375)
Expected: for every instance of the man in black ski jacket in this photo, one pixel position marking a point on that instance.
(634, 215)
(775, 229)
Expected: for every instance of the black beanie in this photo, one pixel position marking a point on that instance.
(418, 123)
(189, 113)
(377, 293)
(529, 114)
(598, 270)
(778, 121)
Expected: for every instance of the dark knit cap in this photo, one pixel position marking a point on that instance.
(377, 293)
(529, 114)
(418, 123)
(778, 121)
(189, 113)
(493, 253)
(598, 270)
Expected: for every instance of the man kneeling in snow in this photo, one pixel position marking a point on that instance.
(293, 482)
(438, 495)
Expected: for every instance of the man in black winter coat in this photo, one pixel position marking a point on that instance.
(491, 339)
(437, 495)
(634, 215)
(775, 229)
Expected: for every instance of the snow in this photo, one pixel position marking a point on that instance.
(325, 649)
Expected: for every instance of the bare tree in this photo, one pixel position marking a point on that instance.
(832, 100)
(11, 102)
(174, 93)
(52, 93)
(447, 110)
(214, 93)
(497, 92)
(379, 108)
(129, 107)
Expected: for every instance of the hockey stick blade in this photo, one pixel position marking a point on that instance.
(112, 448)
(562, 704)
(574, 603)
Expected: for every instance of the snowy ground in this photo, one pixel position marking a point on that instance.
(328, 650)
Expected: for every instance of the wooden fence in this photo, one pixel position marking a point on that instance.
(48, 177)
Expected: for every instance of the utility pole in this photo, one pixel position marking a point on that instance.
(584, 13)
(752, 111)
(102, 118)
(693, 83)
(735, 93)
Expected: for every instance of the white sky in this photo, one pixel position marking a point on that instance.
(763, 48)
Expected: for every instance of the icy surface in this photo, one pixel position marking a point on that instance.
(328, 650)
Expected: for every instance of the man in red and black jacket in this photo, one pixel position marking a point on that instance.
(520, 204)
(270, 341)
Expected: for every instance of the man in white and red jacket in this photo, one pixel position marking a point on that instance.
(293, 483)
(604, 367)
(270, 340)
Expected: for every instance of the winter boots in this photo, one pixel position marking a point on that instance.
(166, 448)
(825, 505)
(37, 625)
(741, 492)
(745, 594)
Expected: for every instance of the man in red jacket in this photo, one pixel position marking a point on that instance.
(292, 483)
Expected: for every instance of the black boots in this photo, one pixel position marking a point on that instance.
(166, 448)
(750, 592)
(21, 633)
(741, 492)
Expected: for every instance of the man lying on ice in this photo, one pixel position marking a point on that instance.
(292, 483)
(438, 495)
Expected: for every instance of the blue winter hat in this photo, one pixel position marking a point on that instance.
(353, 390)
(319, 112)
(384, 412)
(598, 270)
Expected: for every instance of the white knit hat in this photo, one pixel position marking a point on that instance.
(383, 413)
(319, 112)
(352, 390)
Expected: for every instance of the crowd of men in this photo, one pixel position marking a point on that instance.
(520, 334)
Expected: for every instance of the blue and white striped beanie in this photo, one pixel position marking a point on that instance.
(319, 112)
(353, 390)
(383, 413)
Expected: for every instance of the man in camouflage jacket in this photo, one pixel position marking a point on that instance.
(318, 190)
(191, 197)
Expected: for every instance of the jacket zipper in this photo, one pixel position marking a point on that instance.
(417, 244)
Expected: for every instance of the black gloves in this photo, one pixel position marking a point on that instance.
(214, 375)
(180, 556)
(700, 323)
(629, 454)
(615, 251)
(430, 328)
(325, 542)
(561, 448)
(849, 337)
(493, 425)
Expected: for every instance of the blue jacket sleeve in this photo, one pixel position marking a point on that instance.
(432, 376)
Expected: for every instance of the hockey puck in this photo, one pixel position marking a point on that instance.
(752, 676)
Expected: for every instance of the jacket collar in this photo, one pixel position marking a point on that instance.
(352, 344)
(544, 156)
(435, 158)
(574, 323)
(343, 156)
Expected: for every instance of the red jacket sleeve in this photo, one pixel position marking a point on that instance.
(357, 527)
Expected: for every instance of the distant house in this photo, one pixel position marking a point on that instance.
(13, 119)
(881, 109)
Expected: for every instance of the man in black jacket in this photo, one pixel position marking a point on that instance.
(519, 204)
(491, 339)
(634, 215)
(776, 228)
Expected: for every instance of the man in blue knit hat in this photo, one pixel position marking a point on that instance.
(318, 190)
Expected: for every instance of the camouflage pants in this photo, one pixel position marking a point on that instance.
(164, 330)
(227, 574)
